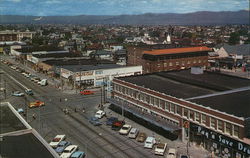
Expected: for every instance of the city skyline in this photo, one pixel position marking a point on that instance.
(115, 7)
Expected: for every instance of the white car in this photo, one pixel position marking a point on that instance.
(68, 151)
(54, 143)
(149, 143)
(133, 133)
(18, 94)
(125, 129)
(99, 114)
(171, 153)
(160, 148)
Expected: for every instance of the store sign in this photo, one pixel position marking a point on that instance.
(227, 141)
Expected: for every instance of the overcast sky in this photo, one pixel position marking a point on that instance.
(116, 7)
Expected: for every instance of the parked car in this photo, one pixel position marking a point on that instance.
(55, 141)
(184, 156)
(125, 129)
(29, 92)
(150, 142)
(86, 92)
(95, 121)
(78, 154)
(18, 94)
(171, 153)
(110, 120)
(61, 146)
(141, 137)
(36, 103)
(133, 133)
(68, 151)
(99, 114)
(117, 125)
(160, 148)
(20, 110)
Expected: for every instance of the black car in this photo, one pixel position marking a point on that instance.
(110, 120)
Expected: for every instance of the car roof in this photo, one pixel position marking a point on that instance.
(99, 111)
(77, 153)
(126, 125)
(70, 147)
(150, 138)
(134, 129)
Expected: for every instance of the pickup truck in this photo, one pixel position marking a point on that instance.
(36, 103)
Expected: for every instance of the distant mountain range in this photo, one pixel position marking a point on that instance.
(196, 18)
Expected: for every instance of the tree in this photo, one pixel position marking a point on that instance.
(234, 38)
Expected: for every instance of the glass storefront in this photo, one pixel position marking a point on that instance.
(221, 145)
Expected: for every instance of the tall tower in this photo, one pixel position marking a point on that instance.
(168, 39)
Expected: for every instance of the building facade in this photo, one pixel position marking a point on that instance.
(168, 59)
(219, 132)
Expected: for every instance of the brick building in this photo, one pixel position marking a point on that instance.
(156, 60)
(214, 107)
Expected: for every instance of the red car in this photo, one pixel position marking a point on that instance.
(117, 125)
(86, 92)
(37, 103)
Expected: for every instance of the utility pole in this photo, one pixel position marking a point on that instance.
(5, 85)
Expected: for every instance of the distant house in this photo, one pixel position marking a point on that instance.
(102, 55)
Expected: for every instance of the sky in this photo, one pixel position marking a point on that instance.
(116, 7)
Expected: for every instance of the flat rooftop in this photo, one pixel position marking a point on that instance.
(8, 120)
(233, 103)
(183, 84)
(18, 139)
(77, 68)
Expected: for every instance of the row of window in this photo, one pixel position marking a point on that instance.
(177, 63)
(176, 109)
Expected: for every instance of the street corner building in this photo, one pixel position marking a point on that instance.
(210, 109)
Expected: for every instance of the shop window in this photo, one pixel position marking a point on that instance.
(170, 64)
(172, 108)
(165, 64)
(228, 128)
(183, 63)
(212, 122)
(220, 125)
(185, 112)
(177, 63)
(203, 119)
(188, 62)
(197, 117)
(191, 115)
(236, 131)
(178, 109)
(199, 61)
(194, 61)
(167, 106)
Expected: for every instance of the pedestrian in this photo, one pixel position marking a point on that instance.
(34, 116)
(60, 100)
(75, 110)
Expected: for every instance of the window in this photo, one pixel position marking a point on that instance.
(194, 61)
(152, 100)
(191, 115)
(165, 64)
(228, 128)
(170, 64)
(212, 122)
(177, 63)
(156, 102)
(197, 117)
(167, 106)
(188, 62)
(220, 125)
(199, 61)
(172, 108)
(162, 104)
(236, 131)
(203, 119)
(186, 112)
(178, 110)
(147, 98)
(183, 63)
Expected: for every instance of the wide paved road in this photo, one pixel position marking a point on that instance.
(50, 120)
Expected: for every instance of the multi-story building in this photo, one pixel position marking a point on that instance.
(15, 36)
(214, 107)
(168, 59)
